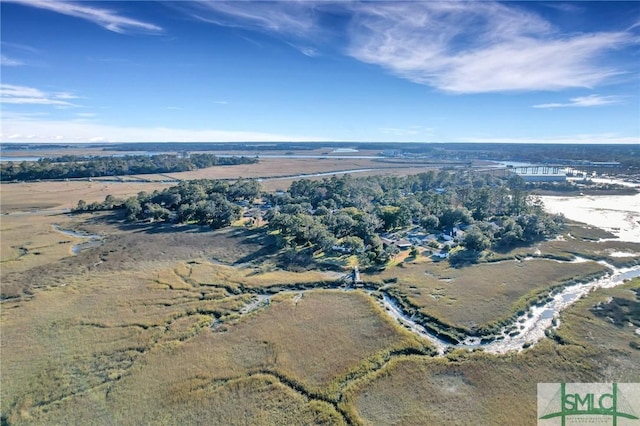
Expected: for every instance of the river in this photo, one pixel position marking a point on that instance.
(524, 332)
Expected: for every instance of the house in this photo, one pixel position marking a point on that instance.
(403, 244)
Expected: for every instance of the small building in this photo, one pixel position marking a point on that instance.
(403, 244)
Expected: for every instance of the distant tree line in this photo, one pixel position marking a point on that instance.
(70, 166)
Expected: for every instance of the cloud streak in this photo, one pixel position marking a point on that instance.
(456, 47)
(11, 94)
(5, 61)
(584, 101)
(479, 47)
(106, 18)
(293, 18)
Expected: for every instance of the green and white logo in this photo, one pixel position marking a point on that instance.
(563, 404)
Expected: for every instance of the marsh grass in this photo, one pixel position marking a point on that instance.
(25, 197)
(121, 334)
(29, 241)
(482, 295)
(112, 337)
(209, 273)
(478, 388)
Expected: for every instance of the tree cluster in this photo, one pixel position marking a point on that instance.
(203, 202)
(349, 214)
(352, 215)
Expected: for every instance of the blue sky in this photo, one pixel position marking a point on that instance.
(452, 71)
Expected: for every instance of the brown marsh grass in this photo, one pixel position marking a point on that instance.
(28, 196)
(120, 334)
(477, 295)
(478, 388)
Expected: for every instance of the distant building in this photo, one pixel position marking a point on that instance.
(541, 174)
(392, 153)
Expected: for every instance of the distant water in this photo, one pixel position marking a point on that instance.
(18, 159)
(343, 150)
(618, 214)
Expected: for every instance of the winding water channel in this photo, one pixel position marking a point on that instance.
(91, 240)
(525, 331)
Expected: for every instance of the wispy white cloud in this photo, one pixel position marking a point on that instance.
(65, 95)
(5, 61)
(294, 17)
(456, 47)
(295, 20)
(221, 102)
(108, 19)
(16, 127)
(11, 94)
(309, 51)
(584, 101)
(19, 46)
(479, 47)
(564, 7)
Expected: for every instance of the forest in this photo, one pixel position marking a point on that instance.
(344, 214)
(71, 166)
